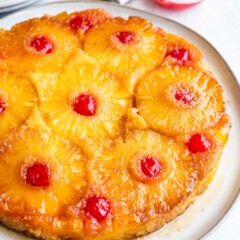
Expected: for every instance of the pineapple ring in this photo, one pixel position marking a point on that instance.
(82, 21)
(18, 97)
(19, 51)
(134, 121)
(174, 44)
(129, 61)
(158, 105)
(206, 162)
(133, 199)
(23, 148)
(78, 79)
(3, 42)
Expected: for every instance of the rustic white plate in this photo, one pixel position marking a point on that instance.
(13, 5)
(210, 208)
(8, 3)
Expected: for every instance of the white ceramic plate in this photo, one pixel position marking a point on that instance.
(214, 204)
(8, 6)
(7, 3)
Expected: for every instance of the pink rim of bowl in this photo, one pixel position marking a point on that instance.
(177, 5)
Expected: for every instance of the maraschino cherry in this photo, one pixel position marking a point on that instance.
(198, 143)
(125, 37)
(2, 106)
(80, 23)
(97, 207)
(150, 167)
(184, 96)
(180, 54)
(42, 44)
(85, 105)
(38, 175)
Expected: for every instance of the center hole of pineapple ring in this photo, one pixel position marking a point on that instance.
(151, 166)
(37, 175)
(181, 95)
(85, 105)
(184, 96)
(81, 23)
(3, 105)
(42, 44)
(125, 37)
(180, 54)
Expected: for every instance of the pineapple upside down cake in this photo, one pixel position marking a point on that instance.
(110, 127)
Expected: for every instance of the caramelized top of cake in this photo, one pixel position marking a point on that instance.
(110, 127)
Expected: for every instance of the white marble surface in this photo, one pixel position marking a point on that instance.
(219, 22)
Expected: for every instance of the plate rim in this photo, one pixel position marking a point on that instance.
(16, 7)
(11, 3)
(229, 69)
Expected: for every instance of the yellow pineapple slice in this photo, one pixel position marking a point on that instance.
(135, 121)
(207, 161)
(180, 100)
(207, 151)
(84, 20)
(17, 99)
(84, 101)
(222, 129)
(206, 148)
(95, 211)
(128, 48)
(39, 173)
(62, 16)
(36, 121)
(145, 177)
(39, 45)
(3, 42)
(180, 51)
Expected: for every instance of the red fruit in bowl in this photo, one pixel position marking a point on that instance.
(179, 4)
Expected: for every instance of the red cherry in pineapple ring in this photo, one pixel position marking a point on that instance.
(180, 54)
(42, 44)
(198, 143)
(85, 105)
(2, 106)
(151, 167)
(179, 4)
(97, 207)
(38, 175)
(80, 23)
(183, 96)
(125, 37)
